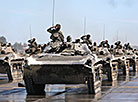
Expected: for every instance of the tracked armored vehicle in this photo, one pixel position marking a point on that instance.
(73, 65)
(109, 65)
(9, 61)
(105, 57)
(131, 59)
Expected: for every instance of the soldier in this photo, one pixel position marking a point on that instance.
(68, 44)
(32, 43)
(127, 47)
(77, 41)
(86, 39)
(69, 39)
(94, 48)
(106, 44)
(111, 49)
(57, 39)
(118, 45)
(32, 47)
(101, 44)
(43, 47)
(119, 48)
(89, 41)
(56, 34)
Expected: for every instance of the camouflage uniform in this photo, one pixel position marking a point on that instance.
(86, 39)
(56, 34)
(32, 46)
(94, 48)
(119, 48)
(57, 39)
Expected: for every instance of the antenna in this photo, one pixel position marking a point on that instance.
(126, 38)
(53, 13)
(30, 32)
(84, 25)
(117, 34)
(104, 32)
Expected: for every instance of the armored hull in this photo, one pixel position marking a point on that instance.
(9, 62)
(61, 69)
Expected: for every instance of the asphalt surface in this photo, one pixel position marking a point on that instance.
(125, 89)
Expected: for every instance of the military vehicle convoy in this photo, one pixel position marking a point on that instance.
(78, 62)
(71, 66)
(105, 57)
(74, 64)
(9, 61)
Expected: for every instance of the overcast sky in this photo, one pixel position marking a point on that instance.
(120, 18)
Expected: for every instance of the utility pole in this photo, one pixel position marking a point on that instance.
(126, 38)
(53, 13)
(117, 34)
(30, 31)
(84, 25)
(104, 32)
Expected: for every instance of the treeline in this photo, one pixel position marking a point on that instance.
(17, 46)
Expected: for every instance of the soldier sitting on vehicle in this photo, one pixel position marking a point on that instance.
(136, 51)
(111, 49)
(94, 48)
(118, 48)
(118, 45)
(43, 47)
(81, 48)
(101, 44)
(103, 48)
(69, 39)
(32, 47)
(86, 39)
(57, 37)
(56, 34)
(106, 44)
(69, 42)
(127, 47)
(53, 47)
(68, 46)
(77, 41)
(32, 43)
(8, 48)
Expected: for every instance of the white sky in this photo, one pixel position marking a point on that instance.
(117, 15)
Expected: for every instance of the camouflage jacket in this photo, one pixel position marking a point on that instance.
(56, 35)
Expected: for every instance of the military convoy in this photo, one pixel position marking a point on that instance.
(78, 62)
(9, 61)
(73, 65)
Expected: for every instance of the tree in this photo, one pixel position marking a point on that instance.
(18, 46)
(3, 40)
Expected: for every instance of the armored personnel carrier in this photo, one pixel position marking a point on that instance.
(131, 58)
(75, 64)
(103, 56)
(9, 61)
(124, 57)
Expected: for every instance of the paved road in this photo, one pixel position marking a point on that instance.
(124, 89)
